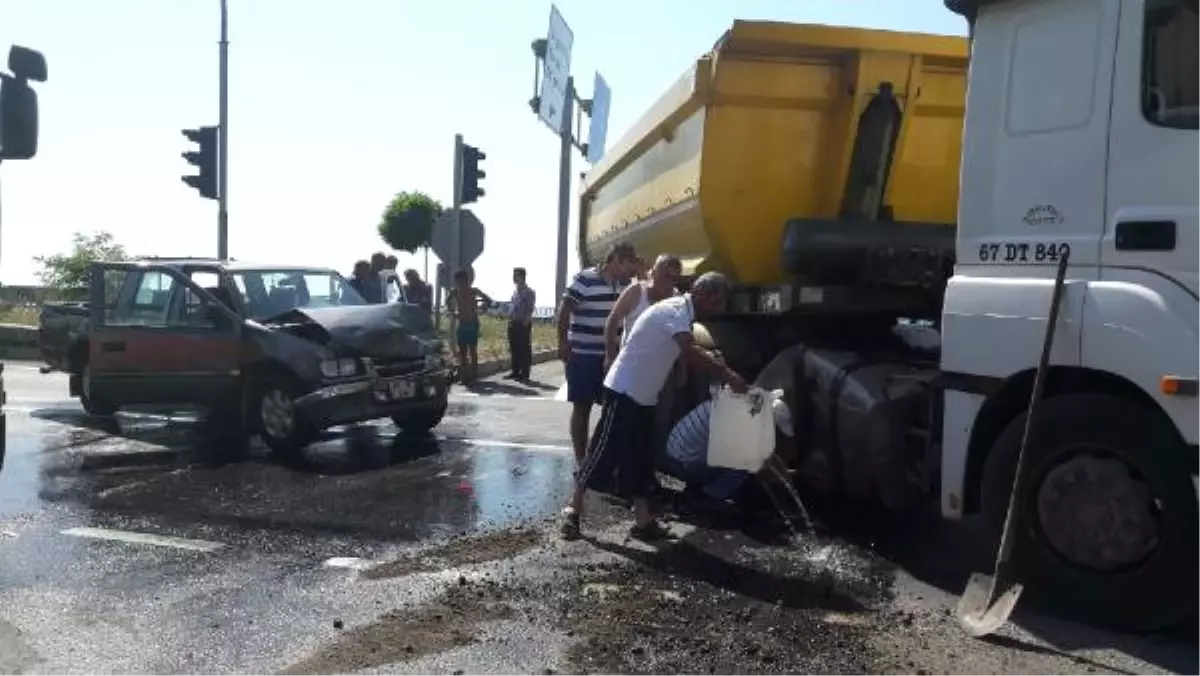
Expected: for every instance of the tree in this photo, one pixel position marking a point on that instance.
(407, 223)
(66, 271)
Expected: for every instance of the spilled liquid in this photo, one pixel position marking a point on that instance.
(805, 526)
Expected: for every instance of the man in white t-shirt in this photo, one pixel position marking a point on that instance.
(624, 441)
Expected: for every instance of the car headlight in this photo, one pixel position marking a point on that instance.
(433, 361)
(339, 368)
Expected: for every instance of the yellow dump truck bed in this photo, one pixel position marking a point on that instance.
(765, 129)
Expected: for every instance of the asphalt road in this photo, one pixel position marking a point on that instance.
(124, 549)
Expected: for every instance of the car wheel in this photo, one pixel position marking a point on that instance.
(96, 406)
(420, 422)
(1107, 530)
(280, 425)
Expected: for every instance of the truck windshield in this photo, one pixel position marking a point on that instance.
(267, 293)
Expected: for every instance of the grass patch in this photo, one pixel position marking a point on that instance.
(493, 337)
(493, 331)
(24, 315)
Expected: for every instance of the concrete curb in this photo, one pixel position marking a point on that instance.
(491, 368)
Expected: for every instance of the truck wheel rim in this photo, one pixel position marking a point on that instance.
(1099, 512)
(278, 414)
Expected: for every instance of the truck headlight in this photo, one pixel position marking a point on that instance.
(339, 368)
(433, 361)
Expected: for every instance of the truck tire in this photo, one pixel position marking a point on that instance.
(95, 406)
(420, 422)
(273, 414)
(1107, 532)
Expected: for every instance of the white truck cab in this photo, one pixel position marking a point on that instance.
(1081, 136)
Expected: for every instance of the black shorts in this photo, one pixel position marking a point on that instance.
(622, 445)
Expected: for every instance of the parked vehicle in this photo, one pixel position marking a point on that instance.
(18, 141)
(283, 351)
(828, 172)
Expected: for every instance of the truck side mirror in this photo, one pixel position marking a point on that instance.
(19, 104)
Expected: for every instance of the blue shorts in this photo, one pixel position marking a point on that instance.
(585, 378)
(468, 333)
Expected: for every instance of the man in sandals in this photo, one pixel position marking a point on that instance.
(624, 441)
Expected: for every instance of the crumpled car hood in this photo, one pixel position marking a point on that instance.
(388, 330)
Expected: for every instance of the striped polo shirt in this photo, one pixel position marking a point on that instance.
(688, 442)
(594, 299)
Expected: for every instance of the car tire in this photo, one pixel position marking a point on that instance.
(1102, 475)
(420, 422)
(272, 403)
(95, 406)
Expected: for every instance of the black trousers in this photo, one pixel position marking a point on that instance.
(520, 346)
(621, 448)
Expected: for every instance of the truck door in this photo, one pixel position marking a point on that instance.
(1151, 225)
(158, 338)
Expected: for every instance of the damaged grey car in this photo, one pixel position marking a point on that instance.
(284, 352)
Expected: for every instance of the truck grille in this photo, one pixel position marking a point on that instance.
(390, 368)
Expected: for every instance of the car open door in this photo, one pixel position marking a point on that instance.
(156, 337)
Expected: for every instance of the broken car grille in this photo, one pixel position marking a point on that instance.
(390, 368)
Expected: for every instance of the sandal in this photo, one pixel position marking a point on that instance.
(570, 524)
(649, 532)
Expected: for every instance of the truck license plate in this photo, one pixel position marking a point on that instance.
(401, 389)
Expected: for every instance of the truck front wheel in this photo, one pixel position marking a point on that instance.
(1107, 531)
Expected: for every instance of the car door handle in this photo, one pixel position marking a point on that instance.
(1145, 236)
(113, 346)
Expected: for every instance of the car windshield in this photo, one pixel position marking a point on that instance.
(268, 293)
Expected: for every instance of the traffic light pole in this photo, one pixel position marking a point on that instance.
(223, 140)
(566, 135)
(456, 229)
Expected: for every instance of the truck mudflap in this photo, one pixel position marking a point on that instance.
(868, 427)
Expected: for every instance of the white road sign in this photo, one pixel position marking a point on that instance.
(557, 69)
(598, 126)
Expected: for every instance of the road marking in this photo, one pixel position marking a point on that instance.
(504, 395)
(347, 562)
(494, 443)
(144, 539)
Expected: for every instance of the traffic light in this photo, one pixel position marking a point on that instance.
(472, 174)
(204, 159)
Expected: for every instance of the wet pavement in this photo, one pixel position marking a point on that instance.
(128, 548)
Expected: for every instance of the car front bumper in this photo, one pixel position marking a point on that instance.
(371, 398)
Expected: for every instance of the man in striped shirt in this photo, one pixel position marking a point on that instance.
(581, 316)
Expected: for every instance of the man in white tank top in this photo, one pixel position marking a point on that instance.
(664, 278)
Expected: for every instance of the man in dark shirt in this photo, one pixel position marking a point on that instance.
(416, 291)
(520, 326)
(362, 273)
(372, 285)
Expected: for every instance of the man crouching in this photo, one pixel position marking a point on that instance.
(687, 458)
(624, 441)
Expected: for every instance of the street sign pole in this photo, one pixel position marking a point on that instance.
(223, 139)
(566, 135)
(559, 106)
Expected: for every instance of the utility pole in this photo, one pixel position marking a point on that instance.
(223, 140)
(567, 136)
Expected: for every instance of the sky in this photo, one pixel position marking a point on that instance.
(333, 108)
